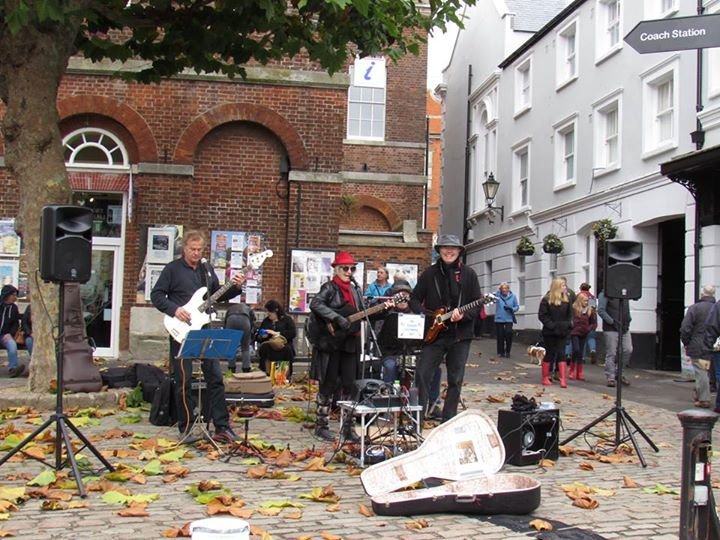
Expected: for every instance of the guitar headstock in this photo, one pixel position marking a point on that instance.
(256, 260)
(489, 298)
(400, 298)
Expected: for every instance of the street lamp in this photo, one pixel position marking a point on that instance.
(490, 187)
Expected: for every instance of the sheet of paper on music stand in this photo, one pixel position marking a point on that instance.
(411, 326)
(219, 344)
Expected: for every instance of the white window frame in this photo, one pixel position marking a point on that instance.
(659, 9)
(520, 149)
(373, 101)
(523, 86)
(98, 139)
(608, 29)
(713, 72)
(602, 161)
(563, 154)
(654, 112)
(567, 57)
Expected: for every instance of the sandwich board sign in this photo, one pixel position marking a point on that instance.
(675, 34)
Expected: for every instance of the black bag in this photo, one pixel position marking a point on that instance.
(119, 377)
(162, 412)
(149, 378)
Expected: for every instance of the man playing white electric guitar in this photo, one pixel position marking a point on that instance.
(177, 283)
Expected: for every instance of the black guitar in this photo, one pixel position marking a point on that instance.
(326, 331)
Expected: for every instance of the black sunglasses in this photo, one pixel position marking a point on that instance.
(348, 268)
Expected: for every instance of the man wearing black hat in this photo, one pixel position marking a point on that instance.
(9, 323)
(446, 284)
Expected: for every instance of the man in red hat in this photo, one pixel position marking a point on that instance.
(336, 343)
(451, 285)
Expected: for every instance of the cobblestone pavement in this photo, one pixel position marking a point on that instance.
(627, 513)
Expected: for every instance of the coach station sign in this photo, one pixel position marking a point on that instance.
(677, 34)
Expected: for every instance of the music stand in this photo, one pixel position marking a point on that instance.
(207, 344)
(623, 420)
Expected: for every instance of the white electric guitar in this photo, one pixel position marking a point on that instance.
(198, 308)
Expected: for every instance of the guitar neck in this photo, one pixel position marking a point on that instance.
(370, 311)
(217, 294)
(467, 307)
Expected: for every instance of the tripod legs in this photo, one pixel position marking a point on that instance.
(61, 437)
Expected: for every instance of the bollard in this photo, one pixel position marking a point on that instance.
(698, 518)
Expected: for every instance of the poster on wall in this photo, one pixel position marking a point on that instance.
(152, 272)
(229, 252)
(9, 270)
(9, 239)
(175, 232)
(309, 269)
(160, 245)
(409, 269)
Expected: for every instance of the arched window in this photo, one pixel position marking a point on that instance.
(96, 148)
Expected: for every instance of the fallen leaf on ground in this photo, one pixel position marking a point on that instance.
(540, 525)
(134, 510)
(329, 536)
(417, 524)
(587, 466)
(629, 482)
(586, 502)
(365, 511)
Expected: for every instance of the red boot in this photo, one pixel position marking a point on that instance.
(571, 370)
(579, 372)
(546, 374)
(562, 370)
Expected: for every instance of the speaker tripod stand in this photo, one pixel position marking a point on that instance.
(61, 421)
(623, 421)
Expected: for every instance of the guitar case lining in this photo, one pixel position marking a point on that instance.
(465, 456)
(254, 388)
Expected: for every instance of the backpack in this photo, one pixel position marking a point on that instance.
(149, 378)
(162, 412)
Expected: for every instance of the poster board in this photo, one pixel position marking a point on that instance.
(409, 269)
(309, 269)
(152, 273)
(160, 245)
(9, 240)
(229, 252)
(9, 269)
(176, 233)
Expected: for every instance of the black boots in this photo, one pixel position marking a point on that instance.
(322, 429)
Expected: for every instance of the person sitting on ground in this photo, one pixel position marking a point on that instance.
(241, 317)
(9, 324)
(276, 336)
(692, 333)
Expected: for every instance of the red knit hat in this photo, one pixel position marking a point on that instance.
(343, 258)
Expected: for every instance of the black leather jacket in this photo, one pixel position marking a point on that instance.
(329, 300)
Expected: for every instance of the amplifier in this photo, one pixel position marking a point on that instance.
(382, 401)
(529, 436)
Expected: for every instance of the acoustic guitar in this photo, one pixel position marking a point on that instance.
(198, 308)
(441, 315)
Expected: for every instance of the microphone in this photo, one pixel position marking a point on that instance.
(352, 280)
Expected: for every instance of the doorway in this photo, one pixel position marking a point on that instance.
(671, 291)
(101, 299)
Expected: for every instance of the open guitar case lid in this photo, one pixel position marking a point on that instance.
(464, 456)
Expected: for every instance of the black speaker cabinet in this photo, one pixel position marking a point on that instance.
(66, 244)
(529, 436)
(623, 269)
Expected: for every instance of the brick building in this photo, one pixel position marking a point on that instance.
(292, 156)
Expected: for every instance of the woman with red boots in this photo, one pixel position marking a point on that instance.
(555, 314)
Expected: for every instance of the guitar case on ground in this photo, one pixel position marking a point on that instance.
(253, 388)
(467, 453)
(80, 374)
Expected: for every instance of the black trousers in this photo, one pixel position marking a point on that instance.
(504, 335)
(185, 395)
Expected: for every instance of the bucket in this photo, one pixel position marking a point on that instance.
(220, 528)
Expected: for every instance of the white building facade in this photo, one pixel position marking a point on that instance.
(575, 125)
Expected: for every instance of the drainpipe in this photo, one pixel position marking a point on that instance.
(698, 137)
(427, 169)
(468, 129)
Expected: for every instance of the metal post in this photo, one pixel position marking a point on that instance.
(698, 518)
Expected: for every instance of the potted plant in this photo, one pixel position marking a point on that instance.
(604, 229)
(552, 244)
(525, 247)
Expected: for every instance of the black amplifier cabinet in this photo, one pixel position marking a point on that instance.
(529, 436)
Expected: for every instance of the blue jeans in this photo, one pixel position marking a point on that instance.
(7, 342)
(591, 345)
(29, 344)
(455, 353)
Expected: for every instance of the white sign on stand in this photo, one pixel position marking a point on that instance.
(411, 326)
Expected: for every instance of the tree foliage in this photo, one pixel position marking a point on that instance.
(163, 37)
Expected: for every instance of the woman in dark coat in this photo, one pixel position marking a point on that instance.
(277, 323)
(584, 322)
(555, 314)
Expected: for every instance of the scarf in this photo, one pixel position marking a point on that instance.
(345, 290)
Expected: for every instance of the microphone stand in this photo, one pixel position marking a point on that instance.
(373, 336)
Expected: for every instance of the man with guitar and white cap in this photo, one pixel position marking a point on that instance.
(172, 293)
(449, 294)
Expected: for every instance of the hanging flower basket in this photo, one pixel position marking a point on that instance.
(604, 229)
(552, 244)
(525, 247)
